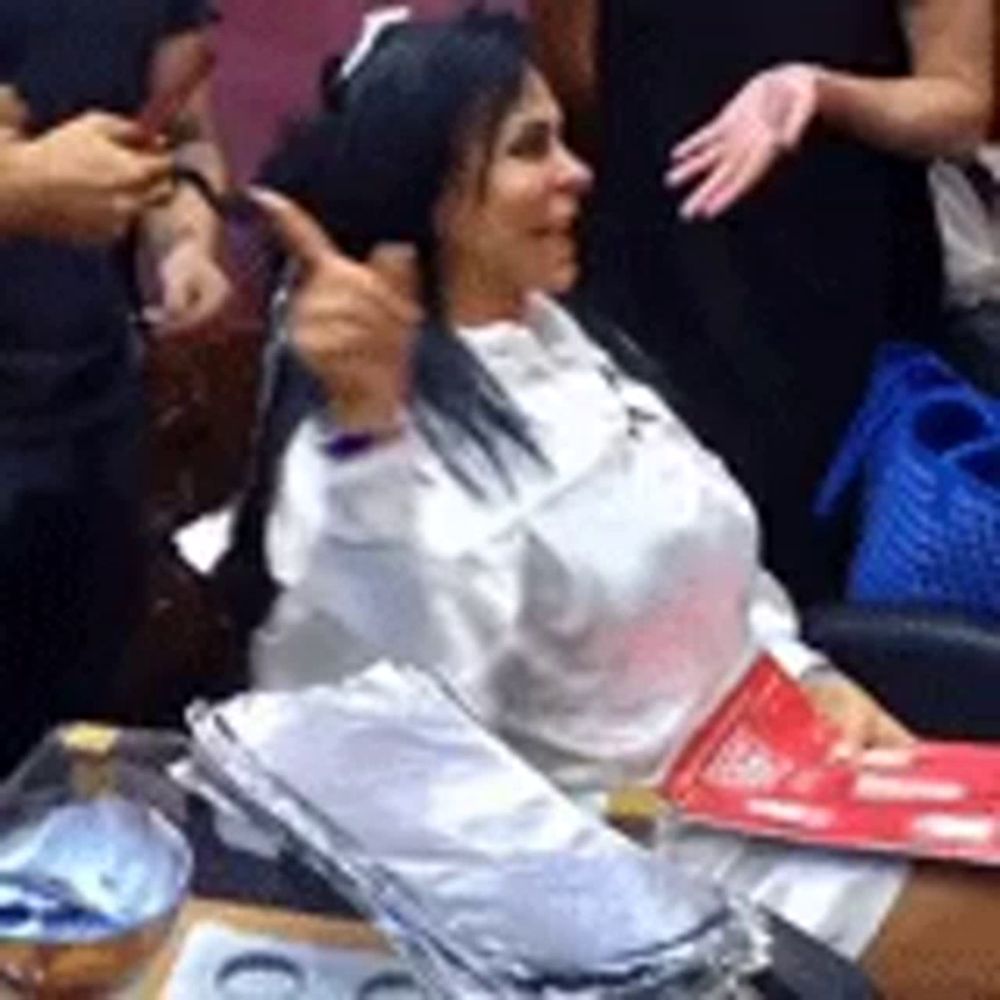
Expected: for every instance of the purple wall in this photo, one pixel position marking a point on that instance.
(270, 55)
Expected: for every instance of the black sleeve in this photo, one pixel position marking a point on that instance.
(188, 15)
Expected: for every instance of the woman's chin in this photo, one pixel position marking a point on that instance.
(561, 279)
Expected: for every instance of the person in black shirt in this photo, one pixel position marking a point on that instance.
(73, 178)
(761, 220)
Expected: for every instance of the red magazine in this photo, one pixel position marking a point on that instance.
(763, 764)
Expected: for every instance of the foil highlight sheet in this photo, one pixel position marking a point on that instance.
(483, 874)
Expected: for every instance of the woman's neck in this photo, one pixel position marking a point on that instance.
(473, 299)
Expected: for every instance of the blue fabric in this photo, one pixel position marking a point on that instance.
(926, 447)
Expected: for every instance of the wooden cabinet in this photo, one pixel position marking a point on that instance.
(202, 394)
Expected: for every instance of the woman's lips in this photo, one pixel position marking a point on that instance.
(561, 231)
(560, 225)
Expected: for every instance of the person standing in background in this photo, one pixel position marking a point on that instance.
(762, 219)
(75, 177)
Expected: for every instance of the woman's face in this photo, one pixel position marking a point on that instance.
(506, 225)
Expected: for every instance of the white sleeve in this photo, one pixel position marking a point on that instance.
(775, 627)
(363, 499)
(364, 585)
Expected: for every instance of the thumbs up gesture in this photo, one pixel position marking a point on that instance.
(352, 323)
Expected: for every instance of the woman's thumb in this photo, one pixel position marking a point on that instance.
(396, 265)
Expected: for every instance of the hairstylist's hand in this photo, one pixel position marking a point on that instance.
(863, 723)
(84, 181)
(195, 289)
(727, 158)
(353, 324)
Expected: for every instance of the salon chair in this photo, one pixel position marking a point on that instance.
(938, 671)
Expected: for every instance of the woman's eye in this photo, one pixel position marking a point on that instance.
(533, 144)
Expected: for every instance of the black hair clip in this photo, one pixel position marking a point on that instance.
(233, 206)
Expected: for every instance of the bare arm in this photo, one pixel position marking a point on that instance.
(184, 234)
(186, 216)
(84, 181)
(942, 108)
(945, 107)
(995, 124)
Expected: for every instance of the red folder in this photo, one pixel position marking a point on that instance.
(764, 764)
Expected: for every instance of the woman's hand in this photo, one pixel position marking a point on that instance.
(727, 158)
(863, 723)
(353, 324)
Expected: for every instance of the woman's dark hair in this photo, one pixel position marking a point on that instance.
(372, 168)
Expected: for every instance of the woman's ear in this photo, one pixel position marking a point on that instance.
(455, 199)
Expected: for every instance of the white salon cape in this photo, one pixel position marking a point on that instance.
(593, 615)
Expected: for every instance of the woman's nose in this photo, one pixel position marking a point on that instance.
(574, 175)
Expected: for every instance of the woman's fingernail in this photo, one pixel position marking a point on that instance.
(888, 757)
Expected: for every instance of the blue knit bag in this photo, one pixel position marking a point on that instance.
(925, 446)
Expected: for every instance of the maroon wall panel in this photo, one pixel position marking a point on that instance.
(270, 53)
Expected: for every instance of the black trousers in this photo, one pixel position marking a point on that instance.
(70, 576)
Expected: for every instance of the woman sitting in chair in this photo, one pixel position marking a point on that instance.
(495, 496)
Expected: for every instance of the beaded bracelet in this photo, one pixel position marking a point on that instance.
(350, 444)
